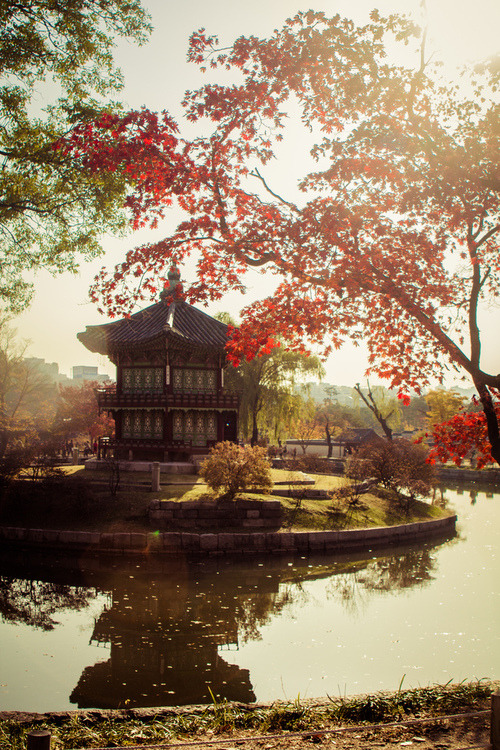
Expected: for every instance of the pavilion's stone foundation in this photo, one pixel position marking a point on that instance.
(201, 514)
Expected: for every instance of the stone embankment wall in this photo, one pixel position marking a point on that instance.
(485, 476)
(244, 543)
(202, 514)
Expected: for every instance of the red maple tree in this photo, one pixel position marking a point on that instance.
(79, 412)
(463, 436)
(394, 241)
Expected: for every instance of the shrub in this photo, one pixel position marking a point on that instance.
(399, 466)
(232, 468)
(27, 463)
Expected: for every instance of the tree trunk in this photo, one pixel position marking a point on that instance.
(4, 440)
(255, 430)
(376, 411)
(4, 432)
(329, 440)
(491, 420)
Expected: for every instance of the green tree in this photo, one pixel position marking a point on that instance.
(52, 208)
(305, 424)
(267, 387)
(334, 417)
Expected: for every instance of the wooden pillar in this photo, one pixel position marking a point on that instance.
(119, 377)
(167, 380)
(39, 740)
(155, 476)
(495, 720)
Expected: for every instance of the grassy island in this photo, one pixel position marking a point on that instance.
(83, 500)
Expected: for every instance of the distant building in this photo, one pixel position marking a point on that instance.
(49, 369)
(343, 444)
(83, 373)
(354, 437)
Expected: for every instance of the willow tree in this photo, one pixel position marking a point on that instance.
(267, 385)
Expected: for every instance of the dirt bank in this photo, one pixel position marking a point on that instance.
(438, 717)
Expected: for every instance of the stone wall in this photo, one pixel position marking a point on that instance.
(238, 543)
(203, 514)
(484, 476)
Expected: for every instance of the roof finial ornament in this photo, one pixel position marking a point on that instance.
(174, 279)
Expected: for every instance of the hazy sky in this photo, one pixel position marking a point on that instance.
(156, 75)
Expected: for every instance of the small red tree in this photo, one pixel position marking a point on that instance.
(79, 412)
(393, 239)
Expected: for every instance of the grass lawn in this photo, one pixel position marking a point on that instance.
(81, 500)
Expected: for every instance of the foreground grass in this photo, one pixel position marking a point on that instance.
(82, 501)
(115, 728)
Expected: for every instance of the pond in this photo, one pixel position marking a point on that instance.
(136, 635)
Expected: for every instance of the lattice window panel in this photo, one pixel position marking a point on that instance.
(142, 379)
(195, 380)
(142, 424)
(196, 426)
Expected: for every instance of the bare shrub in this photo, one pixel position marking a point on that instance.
(349, 494)
(398, 466)
(232, 468)
(30, 462)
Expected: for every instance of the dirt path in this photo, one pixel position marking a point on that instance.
(456, 733)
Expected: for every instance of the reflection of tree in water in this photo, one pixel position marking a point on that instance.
(384, 574)
(348, 588)
(414, 568)
(35, 602)
(252, 614)
(439, 497)
(473, 489)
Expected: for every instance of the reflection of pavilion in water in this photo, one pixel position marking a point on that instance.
(168, 622)
(165, 638)
(166, 634)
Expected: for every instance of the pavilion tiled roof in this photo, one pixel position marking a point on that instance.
(177, 321)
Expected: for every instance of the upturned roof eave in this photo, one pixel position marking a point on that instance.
(178, 323)
(96, 344)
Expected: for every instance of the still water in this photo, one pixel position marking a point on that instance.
(276, 629)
